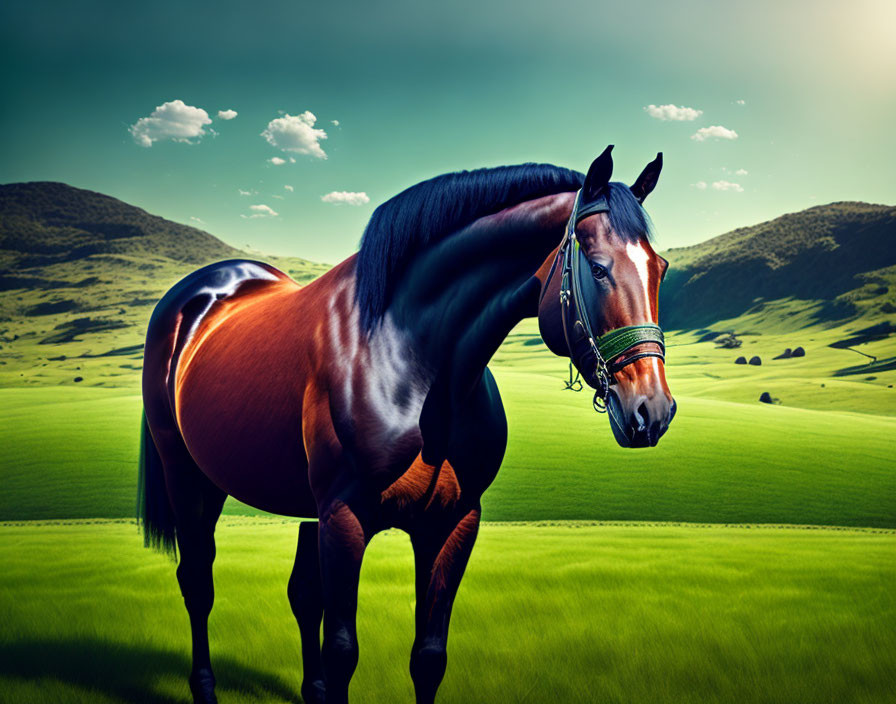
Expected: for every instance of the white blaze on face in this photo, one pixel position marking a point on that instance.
(639, 257)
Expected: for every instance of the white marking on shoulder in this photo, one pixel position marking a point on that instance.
(639, 257)
(391, 366)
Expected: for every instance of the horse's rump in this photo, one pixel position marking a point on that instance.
(235, 380)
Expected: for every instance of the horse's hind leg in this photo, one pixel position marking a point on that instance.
(306, 600)
(197, 505)
(440, 558)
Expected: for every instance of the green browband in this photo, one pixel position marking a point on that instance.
(616, 342)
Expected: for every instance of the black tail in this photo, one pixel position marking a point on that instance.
(153, 508)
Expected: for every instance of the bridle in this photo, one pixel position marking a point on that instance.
(587, 350)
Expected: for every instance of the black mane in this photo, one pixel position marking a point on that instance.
(426, 213)
(430, 211)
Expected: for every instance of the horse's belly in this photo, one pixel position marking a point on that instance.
(260, 465)
(239, 411)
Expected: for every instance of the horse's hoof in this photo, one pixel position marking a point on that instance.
(314, 692)
(202, 685)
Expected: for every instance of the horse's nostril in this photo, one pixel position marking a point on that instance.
(640, 418)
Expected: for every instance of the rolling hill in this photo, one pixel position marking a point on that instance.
(47, 225)
(828, 264)
(79, 275)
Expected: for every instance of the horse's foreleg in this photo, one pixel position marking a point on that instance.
(440, 566)
(342, 542)
(306, 600)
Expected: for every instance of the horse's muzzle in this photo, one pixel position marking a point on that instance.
(640, 422)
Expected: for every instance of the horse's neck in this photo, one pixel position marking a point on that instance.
(464, 295)
(458, 300)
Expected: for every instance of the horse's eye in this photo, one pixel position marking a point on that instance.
(597, 271)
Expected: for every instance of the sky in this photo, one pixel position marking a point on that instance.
(279, 126)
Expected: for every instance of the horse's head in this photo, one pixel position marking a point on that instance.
(599, 303)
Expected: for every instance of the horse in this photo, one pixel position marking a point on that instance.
(363, 399)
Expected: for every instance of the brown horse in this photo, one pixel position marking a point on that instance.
(363, 399)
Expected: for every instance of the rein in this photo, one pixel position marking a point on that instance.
(581, 341)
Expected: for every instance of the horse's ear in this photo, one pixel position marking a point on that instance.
(647, 180)
(598, 176)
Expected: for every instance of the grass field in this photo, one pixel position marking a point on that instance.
(567, 613)
(823, 456)
(720, 462)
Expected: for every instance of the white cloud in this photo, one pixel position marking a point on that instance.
(174, 120)
(346, 197)
(247, 193)
(672, 112)
(741, 102)
(277, 161)
(715, 131)
(700, 185)
(335, 123)
(741, 172)
(296, 133)
(261, 211)
(227, 114)
(727, 186)
(289, 188)
(195, 219)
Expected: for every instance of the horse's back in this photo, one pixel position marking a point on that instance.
(225, 350)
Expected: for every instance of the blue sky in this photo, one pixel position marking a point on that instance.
(795, 100)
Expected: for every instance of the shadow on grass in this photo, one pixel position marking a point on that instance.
(130, 673)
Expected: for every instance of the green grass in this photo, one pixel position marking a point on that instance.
(823, 456)
(68, 452)
(719, 462)
(562, 613)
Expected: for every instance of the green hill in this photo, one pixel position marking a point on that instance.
(79, 275)
(45, 224)
(828, 264)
